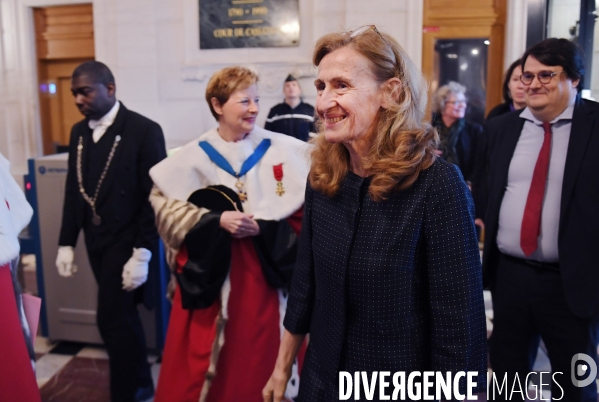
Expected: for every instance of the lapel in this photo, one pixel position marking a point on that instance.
(506, 144)
(583, 120)
(117, 128)
(86, 135)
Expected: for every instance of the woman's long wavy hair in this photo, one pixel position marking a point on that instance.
(404, 142)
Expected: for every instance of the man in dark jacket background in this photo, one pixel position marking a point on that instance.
(292, 117)
(540, 256)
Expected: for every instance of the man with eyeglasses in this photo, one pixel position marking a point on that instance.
(541, 253)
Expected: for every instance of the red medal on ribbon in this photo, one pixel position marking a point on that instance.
(278, 173)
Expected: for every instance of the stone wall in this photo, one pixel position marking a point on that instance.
(152, 48)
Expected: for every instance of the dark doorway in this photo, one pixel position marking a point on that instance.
(464, 61)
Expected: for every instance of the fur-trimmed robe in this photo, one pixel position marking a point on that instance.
(17, 379)
(176, 178)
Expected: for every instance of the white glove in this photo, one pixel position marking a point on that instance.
(135, 271)
(64, 261)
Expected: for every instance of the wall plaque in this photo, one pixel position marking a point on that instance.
(228, 24)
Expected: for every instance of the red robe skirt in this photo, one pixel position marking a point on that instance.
(17, 379)
(252, 336)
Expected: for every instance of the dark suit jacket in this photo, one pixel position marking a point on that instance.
(578, 238)
(393, 285)
(122, 202)
(297, 127)
(467, 147)
(498, 110)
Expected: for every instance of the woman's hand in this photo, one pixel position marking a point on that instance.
(274, 391)
(239, 224)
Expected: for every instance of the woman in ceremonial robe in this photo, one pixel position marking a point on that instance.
(17, 378)
(228, 207)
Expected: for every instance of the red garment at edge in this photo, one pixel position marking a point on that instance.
(252, 336)
(17, 379)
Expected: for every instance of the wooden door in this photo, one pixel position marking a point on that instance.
(59, 112)
(64, 39)
(449, 19)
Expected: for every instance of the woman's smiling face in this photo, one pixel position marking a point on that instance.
(238, 114)
(348, 96)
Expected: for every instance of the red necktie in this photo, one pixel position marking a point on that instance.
(531, 221)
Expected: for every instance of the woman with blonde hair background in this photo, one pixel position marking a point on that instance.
(460, 139)
(388, 271)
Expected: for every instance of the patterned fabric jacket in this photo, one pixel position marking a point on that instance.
(389, 286)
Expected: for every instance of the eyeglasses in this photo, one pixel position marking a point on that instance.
(362, 30)
(544, 77)
(365, 28)
(461, 102)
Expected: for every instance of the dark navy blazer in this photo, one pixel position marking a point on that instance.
(393, 286)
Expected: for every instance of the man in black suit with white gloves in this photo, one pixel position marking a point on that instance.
(107, 190)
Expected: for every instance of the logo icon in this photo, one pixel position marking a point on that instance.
(578, 370)
(42, 169)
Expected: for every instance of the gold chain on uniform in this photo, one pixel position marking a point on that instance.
(92, 201)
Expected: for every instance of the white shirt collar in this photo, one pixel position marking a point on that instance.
(107, 119)
(565, 115)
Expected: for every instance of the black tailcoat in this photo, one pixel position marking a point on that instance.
(127, 223)
(123, 198)
(389, 286)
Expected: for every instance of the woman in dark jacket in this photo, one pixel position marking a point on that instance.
(388, 274)
(513, 92)
(459, 138)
